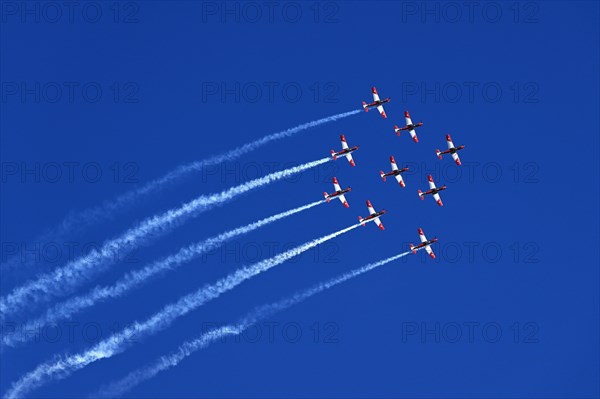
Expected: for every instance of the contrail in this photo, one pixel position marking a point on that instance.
(78, 221)
(260, 313)
(65, 279)
(134, 279)
(62, 366)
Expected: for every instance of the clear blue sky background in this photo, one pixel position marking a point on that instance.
(518, 251)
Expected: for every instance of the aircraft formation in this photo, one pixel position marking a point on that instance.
(396, 172)
(68, 278)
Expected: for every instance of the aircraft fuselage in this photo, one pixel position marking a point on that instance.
(435, 190)
(426, 243)
(346, 151)
(453, 150)
(395, 172)
(412, 126)
(375, 215)
(338, 193)
(380, 102)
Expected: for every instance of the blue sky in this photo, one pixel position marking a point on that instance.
(112, 100)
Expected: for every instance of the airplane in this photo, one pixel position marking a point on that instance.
(345, 151)
(409, 126)
(339, 193)
(376, 103)
(451, 150)
(395, 172)
(432, 190)
(424, 243)
(372, 216)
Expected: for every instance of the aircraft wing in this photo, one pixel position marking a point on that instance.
(375, 95)
(400, 180)
(344, 144)
(429, 251)
(431, 183)
(437, 198)
(378, 223)
(422, 235)
(344, 202)
(370, 208)
(407, 118)
(413, 134)
(393, 162)
(336, 185)
(449, 142)
(456, 158)
(381, 111)
(349, 158)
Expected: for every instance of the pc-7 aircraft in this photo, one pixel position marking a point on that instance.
(338, 193)
(451, 150)
(424, 243)
(374, 216)
(376, 103)
(432, 190)
(410, 126)
(395, 172)
(346, 151)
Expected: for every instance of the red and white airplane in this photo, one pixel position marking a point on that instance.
(338, 193)
(376, 103)
(372, 216)
(424, 243)
(432, 190)
(451, 150)
(410, 126)
(395, 172)
(346, 151)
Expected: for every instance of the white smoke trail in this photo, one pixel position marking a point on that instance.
(136, 278)
(65, 279)
(62, 367)
(76, 222)
(165, 362)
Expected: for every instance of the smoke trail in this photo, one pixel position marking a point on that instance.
(65, 279)
(62, 367)
(77, 222)
(136, 278)
(260, 313)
